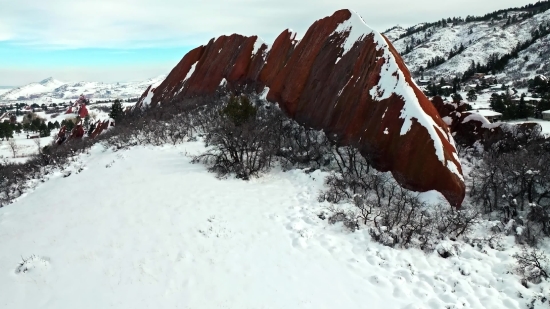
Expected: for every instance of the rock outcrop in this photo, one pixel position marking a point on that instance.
(342, 77)
(469, 127)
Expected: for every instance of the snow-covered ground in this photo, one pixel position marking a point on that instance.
(145, 228)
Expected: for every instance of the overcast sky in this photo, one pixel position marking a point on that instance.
(120, 40)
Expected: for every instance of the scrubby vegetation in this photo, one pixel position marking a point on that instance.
(245, 137)
(510, 182)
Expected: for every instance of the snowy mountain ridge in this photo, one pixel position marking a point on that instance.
(499, 34)
(53, 90)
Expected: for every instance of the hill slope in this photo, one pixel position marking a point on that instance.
(52, 90)
(480, 39)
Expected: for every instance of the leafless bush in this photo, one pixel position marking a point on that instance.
(13, 147)
(348, 219)
(512, 175)
(396, 216)
(532, 265)
(352, 175)
(300, 146)
(245, 148)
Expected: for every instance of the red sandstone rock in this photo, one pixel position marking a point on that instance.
(342, 77)
(83, 111)
(77, 132)
(100, 126)
(468, 127)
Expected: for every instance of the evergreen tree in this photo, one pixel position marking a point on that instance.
(471, 96)
(239, 110)
(522, 108)
(497, 103)
(6, 130)
(18, 128)
(116, 110)
(43, 130)
(457, 98)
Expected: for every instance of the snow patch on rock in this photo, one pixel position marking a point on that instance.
(392, 81)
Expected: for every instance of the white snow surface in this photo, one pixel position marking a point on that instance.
(484, 122)
(190, 73)
(171, 235)
(396, 84)
(257, 45)
(487, 112)
(356, 29)
(148, 97)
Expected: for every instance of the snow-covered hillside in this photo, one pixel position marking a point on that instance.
(534, 59)
(155, 235)
(51, 90)
(394, 33)
(480, 39)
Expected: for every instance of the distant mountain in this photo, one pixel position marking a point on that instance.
(449, 46)
(53, 90)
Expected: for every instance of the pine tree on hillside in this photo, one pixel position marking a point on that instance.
(471, 96)
(497, 104)
(522, 109)
(239, 110)
(456, 98)
(116, 110)
(6, 131)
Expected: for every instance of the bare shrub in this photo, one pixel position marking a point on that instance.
(512, 181)
(396, 215)
(348, 219)
(300, 146)
(241, 140)
(13, 147)
(532, 265)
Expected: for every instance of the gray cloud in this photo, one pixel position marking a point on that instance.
(146, 23)
(139, 23)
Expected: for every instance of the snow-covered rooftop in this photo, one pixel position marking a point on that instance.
(487, 113)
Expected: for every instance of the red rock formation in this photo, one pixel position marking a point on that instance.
(469, 127)
(99, 127)
(342, 77)
(83, 111)
(61, 136)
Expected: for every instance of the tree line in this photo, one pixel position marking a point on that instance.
(535, 8)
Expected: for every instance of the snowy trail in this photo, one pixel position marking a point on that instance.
(154, 231)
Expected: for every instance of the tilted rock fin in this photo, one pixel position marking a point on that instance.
(342, 77)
